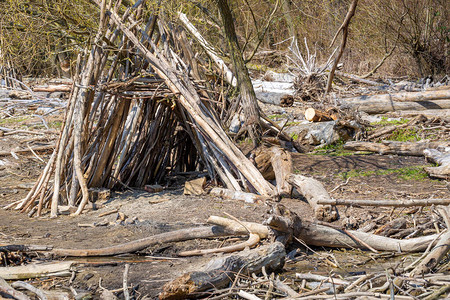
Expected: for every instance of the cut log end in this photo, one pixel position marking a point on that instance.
(314, 115)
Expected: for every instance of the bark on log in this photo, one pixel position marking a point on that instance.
(441, 158)
(314, 115)
(394, 147)
(262, 158)
(221, 271)
(314, 191)
(402, 97)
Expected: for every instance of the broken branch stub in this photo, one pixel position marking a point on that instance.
(313, 191)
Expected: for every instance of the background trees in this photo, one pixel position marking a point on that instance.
(38, 36)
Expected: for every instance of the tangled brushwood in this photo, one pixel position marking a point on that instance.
(141, 107)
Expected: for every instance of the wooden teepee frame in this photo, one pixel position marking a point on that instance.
(132, 117)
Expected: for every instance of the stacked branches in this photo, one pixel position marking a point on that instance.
(137, 111)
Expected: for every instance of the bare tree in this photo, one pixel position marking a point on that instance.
(248, 97)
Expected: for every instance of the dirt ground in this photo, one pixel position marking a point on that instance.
(355, 176)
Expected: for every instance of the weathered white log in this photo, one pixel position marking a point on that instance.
(441, 158)
(271, 92)
(53, 88)
(36, 270)
(380, 107)
(394, 147)
(443, 94)
(313, 191)
(392, 203)
(229, 77)
(429, 113)
(281, 161)
(316, 133)
(237, 195)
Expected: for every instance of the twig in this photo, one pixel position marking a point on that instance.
(126, 294)
(34, 153)
(248, 296)
(340, 185)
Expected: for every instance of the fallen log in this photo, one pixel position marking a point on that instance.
(288, 226)
(221, 271)
(36, 270)
(392, 203)
(313, 191)
(429, 113)
(381, 107)
(443, 94)
(440, 158)
(394, 147)
(53, 88)
(133, 246)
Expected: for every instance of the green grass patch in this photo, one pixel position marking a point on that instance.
(405, 135)
(385, 121)
(55, 124)
(292, 123)
(276, 116)
(294, 136)
(336, 149)
(407, 173)
(13, 120)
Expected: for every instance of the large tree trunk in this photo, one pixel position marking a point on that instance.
(248, 97)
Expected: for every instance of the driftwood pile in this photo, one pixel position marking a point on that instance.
(241, 273)
(134, 116)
